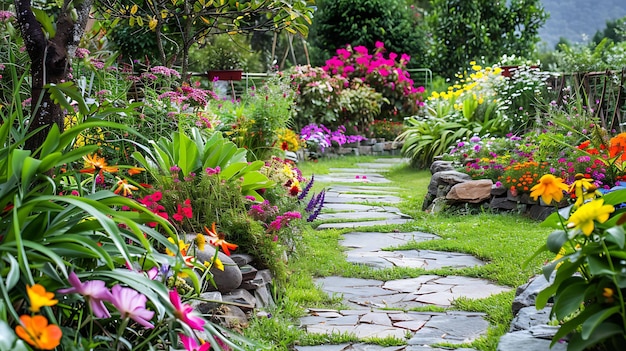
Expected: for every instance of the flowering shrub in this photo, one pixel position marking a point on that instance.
(318, 137)
(385, 129)
(386, 74)
(587, 271)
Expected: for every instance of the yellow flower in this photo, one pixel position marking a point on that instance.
(579, 186)
(200, 241)
(215, 262)
(181, 246)
(586, 214)
(608, 293)
(549, 187)
(153, 23)
(39, 297)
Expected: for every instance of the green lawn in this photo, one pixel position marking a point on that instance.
(505, 241)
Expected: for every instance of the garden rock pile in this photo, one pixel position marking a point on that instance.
(449, 188)
(240, 289)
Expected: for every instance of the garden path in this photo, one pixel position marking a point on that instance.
(378, 309)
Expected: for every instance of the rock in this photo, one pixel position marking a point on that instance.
(233, 317)
(440, 184)
(263, 296)
(529, 317)
(502, 203)
(248, 272)
(241, 259)
(440, 166)
(207, 302)
(526, 199)
(498, 190)
(526, 294)
(539, 213)
(228, 279)
(473, 191)
(524, 340)
(241, 297)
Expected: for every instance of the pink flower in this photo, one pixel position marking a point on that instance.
(94, 291)
(183, 312)
(131, 304)
(211, 171)
(190, 343)
(379, 45)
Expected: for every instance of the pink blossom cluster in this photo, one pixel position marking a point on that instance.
(386, 74)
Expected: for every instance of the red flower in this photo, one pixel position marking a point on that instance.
(183, 211)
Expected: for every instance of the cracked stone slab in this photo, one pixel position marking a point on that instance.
(351, 178)
(333, 197)
(359, 215)
(425, 259)
(376, 241)
(454, 329)
(376, 165)
(362, 224)
(350, 347)
(359, 207)
(364, 188)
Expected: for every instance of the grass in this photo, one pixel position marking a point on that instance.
(504, 241)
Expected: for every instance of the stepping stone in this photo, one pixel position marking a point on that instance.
(425, 259)
(351, 216)
(368, 188)
(359, 207)
(333, 197)
(453, 328)
(351, 347)
(362, 223)
(350, 178)
(376, 241)
(376, 165)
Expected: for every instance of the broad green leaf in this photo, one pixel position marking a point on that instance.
(31, 165)
(599, 266)
(45, 21)
(592, 323)
(569, 297)
(577, 343)
(556, 240)
(52, 141)
(616, 235)
(14, 272)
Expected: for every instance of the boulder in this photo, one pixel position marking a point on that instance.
(473, 191)
(446, 179)
(502, 203)
(440, 166)
(228, 279)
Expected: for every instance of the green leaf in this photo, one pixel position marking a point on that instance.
(616, 235)
(14, 272)
(569, 297)
(599, 266)
(31, 165)
(592, 323)
(9, 340)
(577, 343)
(572, 324)
(45, 21)
(556, 240)
(187, 153)
(52, 141)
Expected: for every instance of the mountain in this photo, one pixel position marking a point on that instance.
(578, 20)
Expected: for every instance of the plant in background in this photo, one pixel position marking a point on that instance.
(587, 272)
(288, 140)
(385, 129)
(318, 137)
(387, 75)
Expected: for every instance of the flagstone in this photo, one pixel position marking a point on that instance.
(359, 207)
(410, 325)
(379, 318)
(376, 241)
(350, 178)
(358, 215)
(454, 329)
(362, 224)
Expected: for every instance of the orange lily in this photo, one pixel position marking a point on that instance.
(135, 170)
(95, 163)
(218, 239)
(125, 188)
(37, 332)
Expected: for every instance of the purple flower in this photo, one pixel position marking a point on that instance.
(95, 291)
(131, 304)
(212, 171)
(475, 139)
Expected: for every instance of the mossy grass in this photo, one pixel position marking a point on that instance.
(503, 241)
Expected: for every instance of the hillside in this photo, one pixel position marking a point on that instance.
(575, 19)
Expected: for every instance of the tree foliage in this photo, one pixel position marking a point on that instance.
(363, 23)
(464, 30)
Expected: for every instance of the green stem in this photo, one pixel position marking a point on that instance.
(120, 332)
(619, 291)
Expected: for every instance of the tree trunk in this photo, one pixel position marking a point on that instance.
(50, 61)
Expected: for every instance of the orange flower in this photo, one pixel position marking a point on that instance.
(95, 164)
(38, 333)
(125, 188)
(549, 187)
(39, 297)
(218, 239)
(617, 146)
(135, 170)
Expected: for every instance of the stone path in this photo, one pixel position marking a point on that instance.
(380, 309)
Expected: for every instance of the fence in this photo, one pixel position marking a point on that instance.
(604, 92)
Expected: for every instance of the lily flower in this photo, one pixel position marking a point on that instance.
(183, 312)
(95, 291)
(38, 333)
(39, 297)
(218, 239)
(124, 187)
(549, 188)
(97, 164)
(131, 304)
(586, 214)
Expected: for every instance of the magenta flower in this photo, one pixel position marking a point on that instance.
(94, 291)
(190, 343)
(211, 171)
(183, 312)
(132, 304)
